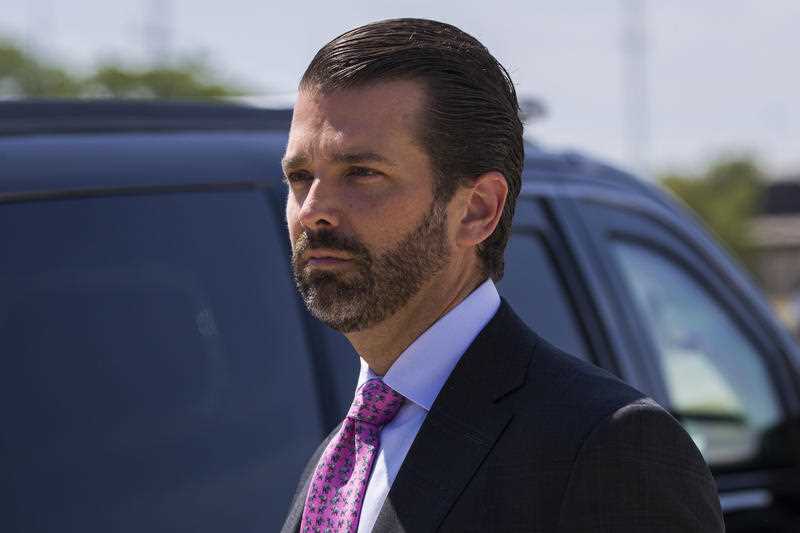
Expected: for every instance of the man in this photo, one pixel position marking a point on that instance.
(403, 166)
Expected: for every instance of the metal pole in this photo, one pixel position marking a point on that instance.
(635, 90)
(158, 32)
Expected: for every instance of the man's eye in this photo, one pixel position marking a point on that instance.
(361, 172)
(297, 177)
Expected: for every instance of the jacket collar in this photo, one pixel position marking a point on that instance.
(424, 367)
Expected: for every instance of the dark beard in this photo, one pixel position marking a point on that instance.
(379, 287)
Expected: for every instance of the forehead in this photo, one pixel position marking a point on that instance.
(381, 117)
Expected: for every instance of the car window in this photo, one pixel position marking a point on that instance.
(535, 290)
(154, 374)
(716, 379)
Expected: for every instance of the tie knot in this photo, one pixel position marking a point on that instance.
(375, 403)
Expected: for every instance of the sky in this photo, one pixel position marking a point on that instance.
(720, 77)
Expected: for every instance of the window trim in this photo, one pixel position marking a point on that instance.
(579, 321)
(541, 214)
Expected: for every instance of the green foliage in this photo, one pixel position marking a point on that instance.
(726, 197)
(190, 81)
(24, 76)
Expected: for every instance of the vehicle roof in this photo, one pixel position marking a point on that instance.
(100, 144)
(37, 117)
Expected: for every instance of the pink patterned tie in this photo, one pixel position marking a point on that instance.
(336, 493)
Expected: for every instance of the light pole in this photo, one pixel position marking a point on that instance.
(635, 90)
(158, 32)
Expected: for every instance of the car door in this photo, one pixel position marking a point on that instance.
(708, 346)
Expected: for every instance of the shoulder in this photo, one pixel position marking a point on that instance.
(638, 469)
(556, 399)
(643, 432)
(576, 387)
(626, 457)
(586, 450)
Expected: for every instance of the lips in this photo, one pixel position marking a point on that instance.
(322, 258)
(325, 254)
(325, 261)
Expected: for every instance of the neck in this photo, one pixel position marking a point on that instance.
(382, 344)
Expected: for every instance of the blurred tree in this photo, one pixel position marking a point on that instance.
(726, 197)
(190, 80)
(24, 76)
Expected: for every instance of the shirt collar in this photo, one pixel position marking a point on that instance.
(422, 369)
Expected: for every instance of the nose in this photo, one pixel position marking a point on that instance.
(318, 208)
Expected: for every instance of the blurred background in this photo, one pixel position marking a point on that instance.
(701, 97)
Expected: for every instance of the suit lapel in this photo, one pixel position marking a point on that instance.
(461, 428)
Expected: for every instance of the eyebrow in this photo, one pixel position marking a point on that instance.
(300, 160)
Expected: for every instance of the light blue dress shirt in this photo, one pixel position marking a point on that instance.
(419, 374)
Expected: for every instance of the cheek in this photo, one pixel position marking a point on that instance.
(386, 231)
(292, 219)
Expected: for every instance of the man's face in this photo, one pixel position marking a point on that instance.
(366, 233)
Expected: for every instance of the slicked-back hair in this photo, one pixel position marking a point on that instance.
(470, 123)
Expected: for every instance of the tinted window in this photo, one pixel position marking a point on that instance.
(716, 379)
(533, 287)
(154, 376)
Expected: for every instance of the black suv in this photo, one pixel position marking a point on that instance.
(159, 372)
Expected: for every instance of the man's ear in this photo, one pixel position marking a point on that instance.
(483, 205)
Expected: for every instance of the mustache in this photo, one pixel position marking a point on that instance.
(329, 240)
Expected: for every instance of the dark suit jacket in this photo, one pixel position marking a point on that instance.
(523, 437)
